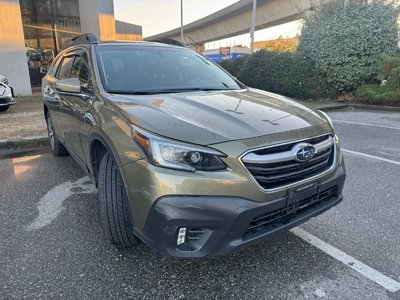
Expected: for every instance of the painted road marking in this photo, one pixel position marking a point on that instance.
(22, 115)
(366, 124)
(355, 153)
(372, 274)
(51, 205)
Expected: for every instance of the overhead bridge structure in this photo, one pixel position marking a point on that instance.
(236, 19)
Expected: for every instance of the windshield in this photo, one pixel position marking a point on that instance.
(148, 69)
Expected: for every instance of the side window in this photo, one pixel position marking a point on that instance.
(80, 69)
(76, 67)
(65, 69)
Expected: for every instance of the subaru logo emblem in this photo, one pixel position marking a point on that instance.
(303, 152)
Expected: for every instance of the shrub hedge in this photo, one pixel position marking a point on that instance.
(388, 92)
(280, 72)
(234, 66)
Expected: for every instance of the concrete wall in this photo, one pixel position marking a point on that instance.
(97, 17)
(128, 31)
(13, 63)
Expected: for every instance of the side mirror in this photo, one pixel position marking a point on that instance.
(70, 85)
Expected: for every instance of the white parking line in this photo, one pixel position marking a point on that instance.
(355, 153)
(366, 124)
(372, 274)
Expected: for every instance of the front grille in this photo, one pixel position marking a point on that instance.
(275, 166)
(263, 222)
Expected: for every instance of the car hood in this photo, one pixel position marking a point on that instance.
(217, 116)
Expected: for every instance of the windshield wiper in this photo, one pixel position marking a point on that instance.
(167, 91)
(130, 92)
(182, 90)
(225, 85)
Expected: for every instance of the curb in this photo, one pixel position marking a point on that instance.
(333, 107)
(25, 142)
(375, 107)
(359, 106)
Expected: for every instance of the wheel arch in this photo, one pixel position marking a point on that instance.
(99, 145)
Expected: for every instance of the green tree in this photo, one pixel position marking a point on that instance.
(346, 43)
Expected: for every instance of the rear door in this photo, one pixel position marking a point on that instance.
(51, 99)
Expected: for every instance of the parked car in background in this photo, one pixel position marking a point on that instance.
(3, 80)
(6, 94)
(186, 158)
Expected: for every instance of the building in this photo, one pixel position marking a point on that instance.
(279, 45)
(226, 53)
(34, 31)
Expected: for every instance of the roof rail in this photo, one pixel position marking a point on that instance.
(169, 42)
(85, 38)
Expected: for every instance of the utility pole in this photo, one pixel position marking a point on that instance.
(182, 38)
(253, 26)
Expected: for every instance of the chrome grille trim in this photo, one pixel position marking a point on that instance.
(322, 146)
(253, 158)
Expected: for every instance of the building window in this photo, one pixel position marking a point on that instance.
(47, 25)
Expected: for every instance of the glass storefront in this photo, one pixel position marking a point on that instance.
(47, 25)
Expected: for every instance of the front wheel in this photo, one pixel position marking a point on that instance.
(114, 210)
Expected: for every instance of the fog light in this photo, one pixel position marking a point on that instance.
(181, 236)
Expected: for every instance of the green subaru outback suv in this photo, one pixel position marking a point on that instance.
(186, 158)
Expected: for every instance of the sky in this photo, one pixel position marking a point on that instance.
(157, 16)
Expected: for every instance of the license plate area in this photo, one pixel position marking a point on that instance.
(302, 196)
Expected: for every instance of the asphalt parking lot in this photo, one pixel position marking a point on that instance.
(52, 245)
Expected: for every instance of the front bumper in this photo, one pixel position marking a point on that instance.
(223, 225)
(7, 98)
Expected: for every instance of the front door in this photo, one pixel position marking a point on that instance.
(56, 101)
(76, 107)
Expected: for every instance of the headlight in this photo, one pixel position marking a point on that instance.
(2, 89)
(328, 118)
(176, 155)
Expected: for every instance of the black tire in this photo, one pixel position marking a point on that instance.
(56, 146)
(114, 210)
(4, 108)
